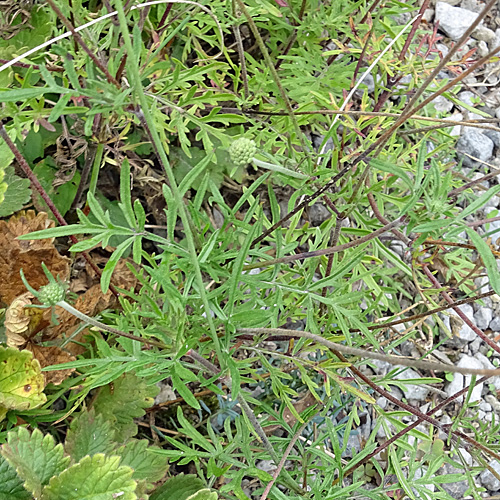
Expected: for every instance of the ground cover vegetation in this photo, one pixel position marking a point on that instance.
(238, 205)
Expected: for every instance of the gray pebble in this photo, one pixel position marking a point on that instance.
(483, 317)
(454, 21)
(476, 144)
(488, 480)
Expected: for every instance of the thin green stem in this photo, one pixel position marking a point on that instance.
(135, 78)
(102, 326)
(274, 73)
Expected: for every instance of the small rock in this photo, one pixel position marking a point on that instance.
(455, 490)
(475, 144)
(419, 474)
(485, 406)
(444, 49)
(465, 333)
(444, 420)
(488, 480)
(266, 465)
(411, 391)
(441, 104)
(457, 129)
(493, 401)
(353, 445)
(484, 34)
(368, 82)
(467, 97)
(428, 16)
(494, 136)
(483, 317)
(382, 402)
(482, 48)
(495, 324)
(318, 213)
(487, 364)
(454, 21)
(460, 381)
(472, 5)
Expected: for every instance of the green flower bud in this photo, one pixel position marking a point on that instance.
(242, 151)
(51, 294)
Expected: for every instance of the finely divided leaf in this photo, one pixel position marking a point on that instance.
(93, 478)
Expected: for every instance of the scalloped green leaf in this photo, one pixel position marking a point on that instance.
(36, 458)
(147, 464)
(180, 487)
(21, 380)
(123, 402)
(93, 478)
(89, 434)
(11, 485)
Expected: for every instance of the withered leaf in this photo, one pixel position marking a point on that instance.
(52, 355)
(27, 255)
(22, 321)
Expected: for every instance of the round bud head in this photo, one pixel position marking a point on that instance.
(242, 150)
(51, 294)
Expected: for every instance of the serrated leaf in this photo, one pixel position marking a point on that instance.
(145, 462)
(21, 380)
(180, 487)
(36, 458)
(93, 478)
(11, 485)
(89, 434)
(123, 402)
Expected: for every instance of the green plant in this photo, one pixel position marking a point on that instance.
(224, 254)
(99, 459)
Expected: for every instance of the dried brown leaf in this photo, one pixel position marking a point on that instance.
(27, 255)
(52, 355)
(21, 321)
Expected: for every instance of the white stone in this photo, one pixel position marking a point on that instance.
(460, 381)
(454, 21)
